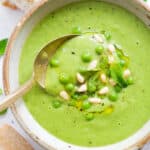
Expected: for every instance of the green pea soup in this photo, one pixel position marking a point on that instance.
(131, 110)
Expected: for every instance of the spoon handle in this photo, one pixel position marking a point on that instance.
(13, 97)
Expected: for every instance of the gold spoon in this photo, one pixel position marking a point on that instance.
(39, 72)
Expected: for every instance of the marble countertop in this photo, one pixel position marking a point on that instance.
(8, 20)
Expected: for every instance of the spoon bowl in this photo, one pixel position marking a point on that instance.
(42, 59)
(39, 72)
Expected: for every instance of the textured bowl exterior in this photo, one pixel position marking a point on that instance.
(11, 80)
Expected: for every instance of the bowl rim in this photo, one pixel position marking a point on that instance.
(5, 71)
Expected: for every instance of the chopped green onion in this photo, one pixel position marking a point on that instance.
(91, 87)
(122, 63)
(107, 35)
(116, 74)
(117, 46)
(103, 62)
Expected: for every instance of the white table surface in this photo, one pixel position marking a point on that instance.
(8, 20)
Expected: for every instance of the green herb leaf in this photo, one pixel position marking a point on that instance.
(116, 74)
(104, 62)
(3, 112)
(3, 44)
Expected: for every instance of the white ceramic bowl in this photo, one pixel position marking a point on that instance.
(11, 82)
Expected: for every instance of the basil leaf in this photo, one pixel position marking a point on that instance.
(3, 112)
(3, 44)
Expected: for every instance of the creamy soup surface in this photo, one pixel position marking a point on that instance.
(116, 116)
